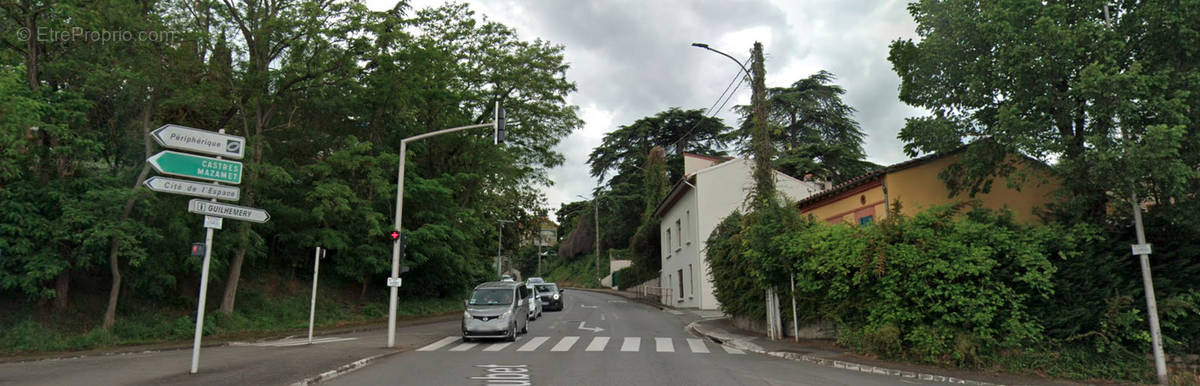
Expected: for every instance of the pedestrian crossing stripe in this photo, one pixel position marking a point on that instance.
(534, 343)
(569, 343)
(565, 344)
(663, 345)
(597, 344)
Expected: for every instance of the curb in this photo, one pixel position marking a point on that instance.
(218, 341)
(343, 369)
(832, 363)
(627, 296)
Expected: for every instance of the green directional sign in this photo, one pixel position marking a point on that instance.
(194, 166)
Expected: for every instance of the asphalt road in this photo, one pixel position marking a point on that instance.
(598, 339)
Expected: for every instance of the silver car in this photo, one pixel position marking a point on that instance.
(496, 310)
(535, 305)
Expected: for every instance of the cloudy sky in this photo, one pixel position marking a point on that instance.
(632, 58)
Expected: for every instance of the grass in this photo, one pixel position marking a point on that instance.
(262, 309)
(579, 272)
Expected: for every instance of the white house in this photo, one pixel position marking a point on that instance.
(710, 190)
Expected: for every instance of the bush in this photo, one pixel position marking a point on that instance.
(738, 293)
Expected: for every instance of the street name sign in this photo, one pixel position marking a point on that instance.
(213, 222)
(194, 166)
(232, 212)
(192, 188)
(1141, 249)
(394, 281)
(200, 141)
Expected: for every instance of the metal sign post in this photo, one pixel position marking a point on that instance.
(216, 170)
(312, 309)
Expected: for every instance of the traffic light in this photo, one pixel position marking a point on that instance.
(198, 249)
(500, 117)
(394, 236)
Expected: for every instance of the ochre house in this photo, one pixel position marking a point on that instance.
(916, 185)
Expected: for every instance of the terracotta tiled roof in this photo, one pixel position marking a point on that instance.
(874, 175)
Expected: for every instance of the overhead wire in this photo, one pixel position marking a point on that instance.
(710, 113)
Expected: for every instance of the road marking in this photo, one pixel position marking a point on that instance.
(601, 317)
(534, 343)
(663, 345)
(496, 346)
(617, 301)
(439, 344)
(587, 306)
(673, 312)
(631, 344)
(592, 329)
(565, 344)
(464, 347)
(732, 350)
(697, 346)
(597, 344)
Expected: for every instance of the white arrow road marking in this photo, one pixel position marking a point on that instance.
(439, 344)
(697, 346)
(597, 344)
(587, 306)
(601, 317)
(592, 329)
(565, 344)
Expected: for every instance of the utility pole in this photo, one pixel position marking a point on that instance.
(596, 215)
(1142, 250)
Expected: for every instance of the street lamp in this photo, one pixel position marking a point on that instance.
(497, 126)
(739, 63)
(760, 141)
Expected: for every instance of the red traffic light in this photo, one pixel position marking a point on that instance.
(395, 235)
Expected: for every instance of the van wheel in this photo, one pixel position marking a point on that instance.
(525, 328)
(512, 332)
(466, 339)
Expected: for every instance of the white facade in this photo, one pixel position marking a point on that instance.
(693, 209)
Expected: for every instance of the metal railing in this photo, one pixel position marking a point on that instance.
(659, 294)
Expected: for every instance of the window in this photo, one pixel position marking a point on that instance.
(679, 234)
(668, 242)
(689, 222)
(691, 279)
(866, 220)
(681, 284)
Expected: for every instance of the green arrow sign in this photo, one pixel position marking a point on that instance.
(194, 166)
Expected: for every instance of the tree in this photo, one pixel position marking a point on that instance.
(813, 131)
(646, 244)
(676, 131)
(1112, 106)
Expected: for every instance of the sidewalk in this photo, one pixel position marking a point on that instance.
(260, 362)
(824, 353)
